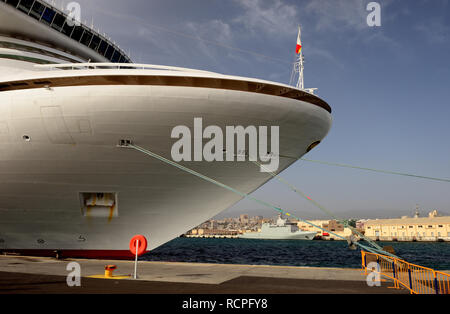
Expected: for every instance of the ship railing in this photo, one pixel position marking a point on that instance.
(114, 66)
(417, 279)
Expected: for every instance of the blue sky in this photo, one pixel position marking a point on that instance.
(388, 86)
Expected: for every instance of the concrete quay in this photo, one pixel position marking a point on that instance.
(20, 274)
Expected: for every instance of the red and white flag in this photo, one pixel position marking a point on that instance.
(298, 49)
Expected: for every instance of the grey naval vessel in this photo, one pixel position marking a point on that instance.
(281, 230)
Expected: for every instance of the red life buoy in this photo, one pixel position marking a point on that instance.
(142, 246)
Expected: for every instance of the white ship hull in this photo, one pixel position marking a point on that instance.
(59, 130)
(75, 152)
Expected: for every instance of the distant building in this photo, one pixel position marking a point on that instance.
(330, 225)
(333, 225)
(243, 219)
(361, 223)
(216, 232)
(431, 228)
(256, 219)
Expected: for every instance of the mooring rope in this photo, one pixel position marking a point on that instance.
(371, 169)
(322, 208)
(245, 195)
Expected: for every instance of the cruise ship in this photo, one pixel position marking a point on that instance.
(282, 230)
(69, 95)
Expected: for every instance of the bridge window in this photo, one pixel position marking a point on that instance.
(77, 32)
(14, 3)
(95, 42)
(58, 22)
(67, 29)
(37, 10)
(116, 56)
(86, 38)
(25, 5)
(109, 52)
(48, 16)
(102, 48)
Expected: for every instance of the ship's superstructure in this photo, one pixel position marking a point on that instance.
(37, 32)
(68, 96)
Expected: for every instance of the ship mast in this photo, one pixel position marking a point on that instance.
(298, 70)
(299, 66)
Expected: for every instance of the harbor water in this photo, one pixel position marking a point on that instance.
(435, 255)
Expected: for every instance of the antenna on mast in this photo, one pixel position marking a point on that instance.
(299, 66)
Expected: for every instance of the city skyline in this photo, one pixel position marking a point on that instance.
(313, 215)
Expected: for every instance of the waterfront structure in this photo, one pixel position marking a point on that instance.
(201, 231)
(360, 223)
(69, 97)
(211, 233)
(431, 228)
(330, 225)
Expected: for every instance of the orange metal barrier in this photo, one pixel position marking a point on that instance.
(415, 278)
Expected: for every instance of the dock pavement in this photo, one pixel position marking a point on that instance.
(21, 274)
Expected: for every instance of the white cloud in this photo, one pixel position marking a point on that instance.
(435, 31)
(217, 29)
(274, 17)
(332, 15)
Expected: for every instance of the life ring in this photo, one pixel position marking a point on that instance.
(142, 245)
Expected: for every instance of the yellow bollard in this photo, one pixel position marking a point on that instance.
(109, 270)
